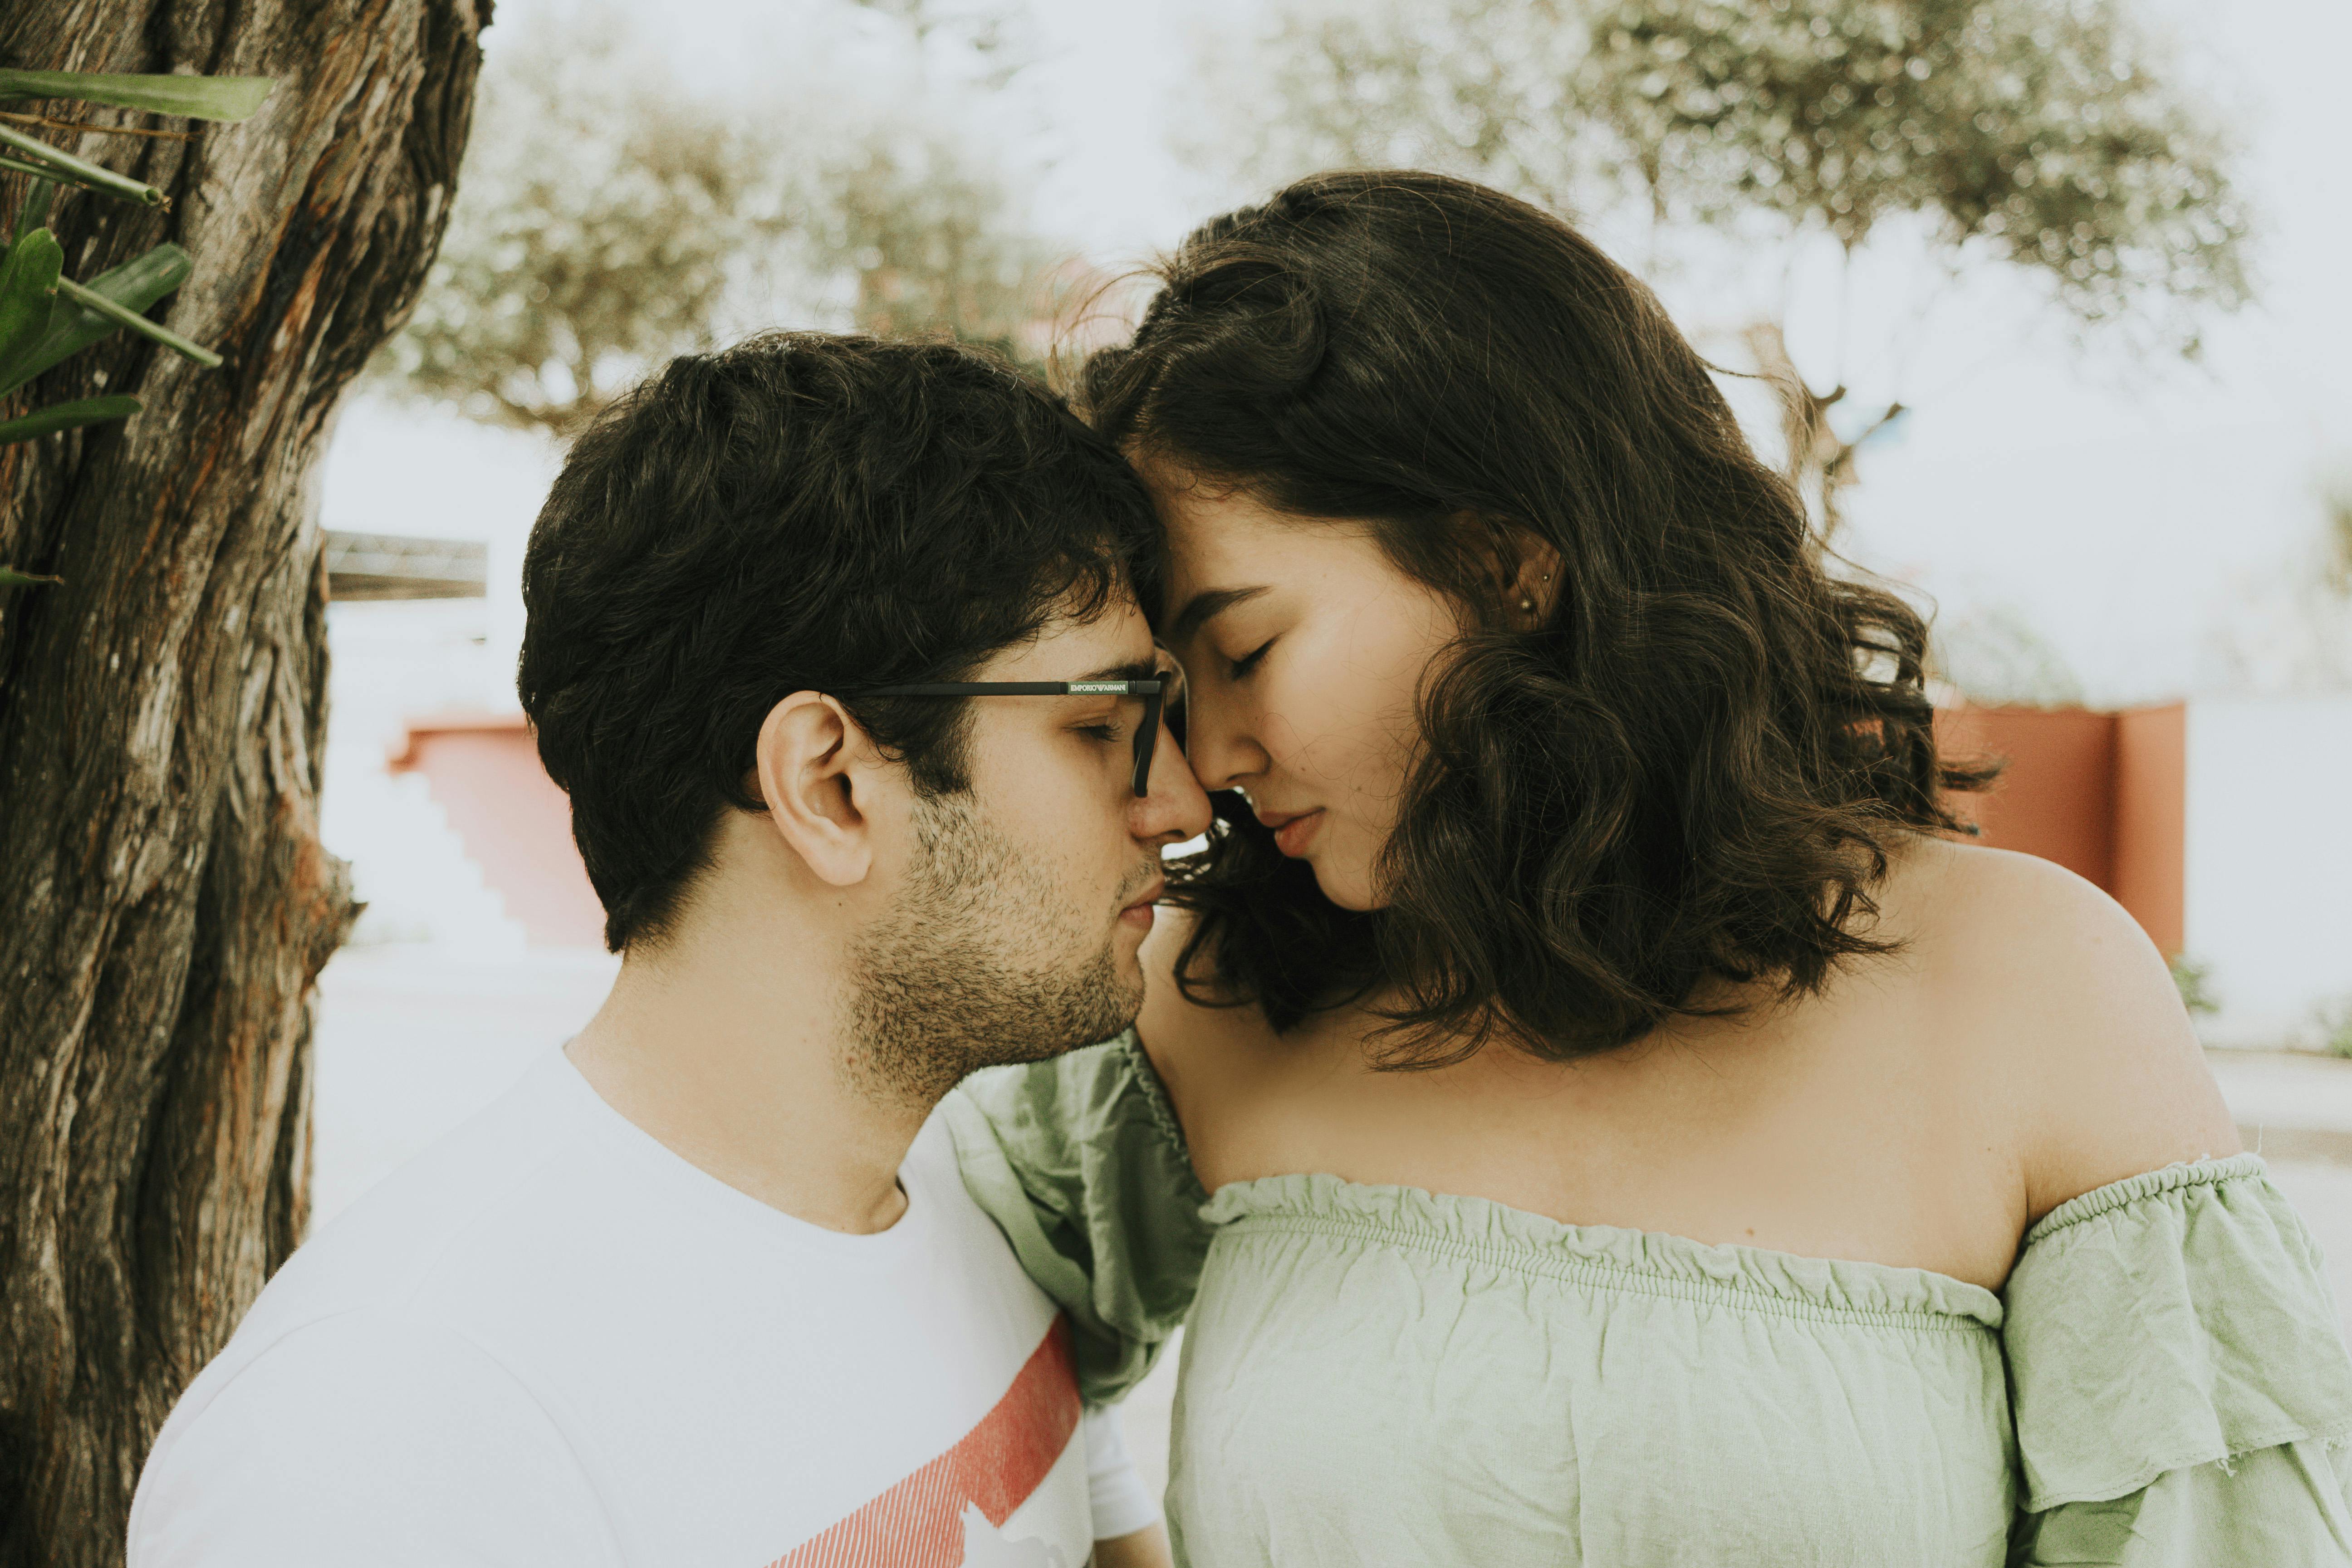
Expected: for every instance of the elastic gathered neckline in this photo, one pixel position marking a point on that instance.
(1784, 1284)
(2147, 1184)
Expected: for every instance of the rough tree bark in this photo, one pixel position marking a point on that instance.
(168, 904)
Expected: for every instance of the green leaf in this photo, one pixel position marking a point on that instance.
(135, 285)
(89, 299)
(34, 210)
(12, 578)
(41, 171)
(57, 164)
(197, 96)
(73, 415)
(28, 292)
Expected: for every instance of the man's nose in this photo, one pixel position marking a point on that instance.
(1174, 807)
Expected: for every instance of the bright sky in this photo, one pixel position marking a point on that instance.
(2125, 512)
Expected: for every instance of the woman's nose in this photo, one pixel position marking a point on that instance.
(1218, 746)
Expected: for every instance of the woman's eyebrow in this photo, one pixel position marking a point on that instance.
(1206, 606)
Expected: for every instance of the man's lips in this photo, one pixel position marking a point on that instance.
(1140, 912)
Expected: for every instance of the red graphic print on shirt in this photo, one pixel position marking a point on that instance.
(919, 1522)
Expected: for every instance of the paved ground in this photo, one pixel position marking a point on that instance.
(2293, 1094)
(413, 1040)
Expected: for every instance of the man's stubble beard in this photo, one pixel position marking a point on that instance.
(983, 962)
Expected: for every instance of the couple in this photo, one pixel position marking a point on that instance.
(1585, 1104)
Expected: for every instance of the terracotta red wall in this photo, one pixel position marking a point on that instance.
(2152, 820)
(484, 772)
(2101, 794)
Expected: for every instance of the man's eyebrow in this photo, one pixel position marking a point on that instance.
(1205, 607)
(1134, 670)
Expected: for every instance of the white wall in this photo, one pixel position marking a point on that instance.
(394, 660)
(400, 471)
(2269, 878)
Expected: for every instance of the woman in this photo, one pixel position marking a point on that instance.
(1633, 1127)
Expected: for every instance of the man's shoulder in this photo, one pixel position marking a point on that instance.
(966, 1244)
(359, 1378)
(428, 1214)
(394, 1365)
(327, 1437)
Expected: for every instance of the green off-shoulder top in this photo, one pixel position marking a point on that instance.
(1381, 1375)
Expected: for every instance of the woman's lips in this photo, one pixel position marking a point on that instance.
(1293, 833)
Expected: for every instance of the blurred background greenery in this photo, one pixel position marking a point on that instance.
(1894, 217)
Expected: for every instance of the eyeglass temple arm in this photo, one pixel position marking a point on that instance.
(1016, 689)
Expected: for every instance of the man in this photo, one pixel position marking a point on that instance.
(705, 1287)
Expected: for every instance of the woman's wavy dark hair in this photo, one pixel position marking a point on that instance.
(1693, 764)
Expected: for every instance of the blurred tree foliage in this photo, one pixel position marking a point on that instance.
(607, 218)
(2336, 518)
(1995, 654)
(994, 41)
(2044, 133)
(2194, 981)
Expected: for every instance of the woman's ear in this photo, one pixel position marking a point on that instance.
(1527, 571)
(804, 763)
(1534, 586)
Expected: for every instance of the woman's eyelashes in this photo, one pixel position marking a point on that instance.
(1237, 668)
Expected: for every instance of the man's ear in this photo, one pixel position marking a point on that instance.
(809, 752)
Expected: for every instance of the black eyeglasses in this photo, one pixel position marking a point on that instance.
(1159, 694)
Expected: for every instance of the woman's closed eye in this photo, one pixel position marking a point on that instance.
(1237, 668)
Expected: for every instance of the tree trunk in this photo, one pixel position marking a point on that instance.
(168, 902)
(1820, 462)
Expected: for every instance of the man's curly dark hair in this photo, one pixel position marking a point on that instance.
(801, 512)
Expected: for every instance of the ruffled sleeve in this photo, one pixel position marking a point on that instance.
(1079, 1161)
(2178, 1378)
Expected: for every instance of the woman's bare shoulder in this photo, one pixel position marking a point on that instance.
(1205, 1054)
(2048, 992)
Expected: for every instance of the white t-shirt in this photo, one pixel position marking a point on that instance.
(550, 1339)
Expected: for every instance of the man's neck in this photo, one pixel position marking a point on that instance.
(725, 1051)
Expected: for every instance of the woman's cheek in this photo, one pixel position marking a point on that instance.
(1344, 873)
(1367, 818)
